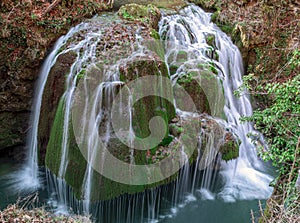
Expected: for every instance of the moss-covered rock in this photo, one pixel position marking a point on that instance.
(195, 91)
(150, 106)
(148, 14)
(230, 147)
(166, 4)
(104, 188)
(216, 137)
(150, 63)
(203, 87)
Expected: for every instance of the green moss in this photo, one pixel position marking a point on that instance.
(192, 87)
(229, 150)
(150, 106)
(213, 68)
(214, 16)
(81, 74)
(154, 34)
(53, 155)
(167, 140)
(226, 28)
(173, 69)
(77, 163)
(188, 78)
(210, 40)
(148, 14)
(175, 130)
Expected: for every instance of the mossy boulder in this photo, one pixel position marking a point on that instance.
(149, 64)
(149, 106)
(76, 165)
(104, 188)
(205, 89)
(166, 4)
(195, 91)
(149, 14)
(217, 138)
(230, 147)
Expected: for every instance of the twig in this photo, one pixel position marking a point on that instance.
(294, 162)
(261, 210)
(252, 216)
(7, 19)
(50, 7)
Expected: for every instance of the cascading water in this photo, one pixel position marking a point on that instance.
(191, 31)
(188, 33)
(28, 178)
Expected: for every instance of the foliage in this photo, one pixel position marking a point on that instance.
(280, 122)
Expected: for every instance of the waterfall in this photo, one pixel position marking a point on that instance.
(190, 31)
(29, 177)
(193, 45)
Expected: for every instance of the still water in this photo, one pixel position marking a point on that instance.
(203, 206)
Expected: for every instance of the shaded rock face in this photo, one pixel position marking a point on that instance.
(13, 129)
(216, 141)
(16, 87)
(196, 92)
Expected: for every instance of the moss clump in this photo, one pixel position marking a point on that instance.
(154, 34)
(211, 40)
(175, 130)
(229, 150)
(173, 69)
(148, 14)
(81, 74)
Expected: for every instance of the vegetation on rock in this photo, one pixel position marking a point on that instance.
(149, 14)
